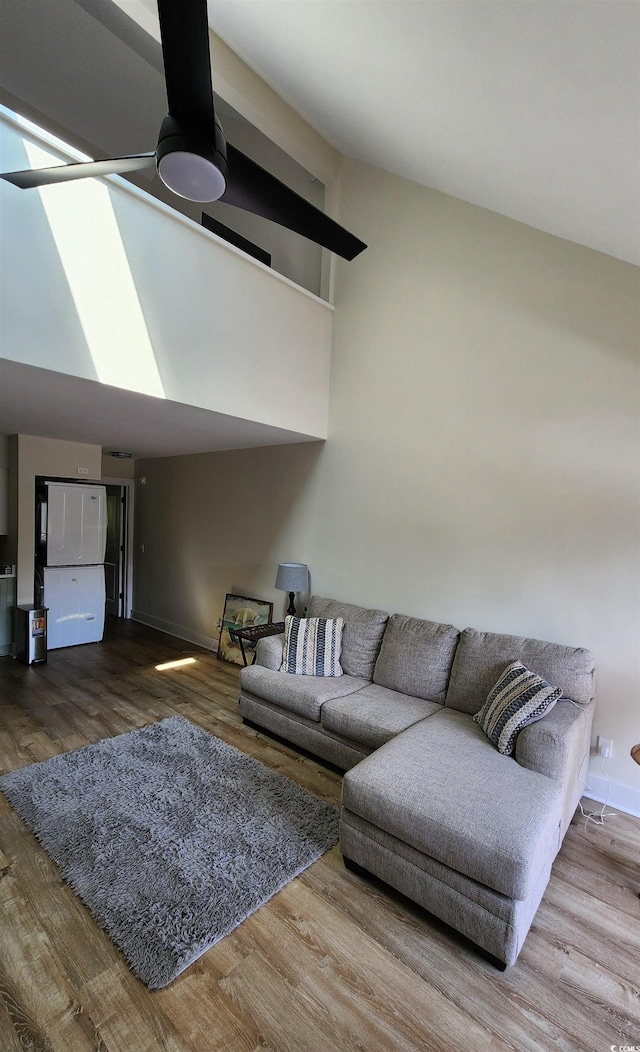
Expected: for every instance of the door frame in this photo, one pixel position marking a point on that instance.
(107, 480)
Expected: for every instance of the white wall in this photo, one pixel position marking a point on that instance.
(135, 295)
(482, 464)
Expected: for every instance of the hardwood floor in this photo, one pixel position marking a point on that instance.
(331, 962)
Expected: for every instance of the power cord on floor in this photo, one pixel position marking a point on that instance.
(598, 817)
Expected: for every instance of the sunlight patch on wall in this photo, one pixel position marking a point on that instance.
(89, 244)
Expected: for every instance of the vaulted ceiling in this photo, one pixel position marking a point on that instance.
(530, 108)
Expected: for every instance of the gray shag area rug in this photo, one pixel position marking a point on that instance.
(170, 836)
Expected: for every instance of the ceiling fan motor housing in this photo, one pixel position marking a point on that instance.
(189, 163)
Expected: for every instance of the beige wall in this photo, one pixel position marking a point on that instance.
(117, 468)
(215, 523)
(482, 462)
(484, 432)
(54, 459)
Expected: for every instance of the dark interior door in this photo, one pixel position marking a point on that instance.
(114, 565)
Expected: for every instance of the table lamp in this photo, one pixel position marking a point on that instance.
(292, 578)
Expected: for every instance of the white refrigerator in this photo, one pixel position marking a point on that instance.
(73, 533)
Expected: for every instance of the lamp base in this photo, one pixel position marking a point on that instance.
(291, 609)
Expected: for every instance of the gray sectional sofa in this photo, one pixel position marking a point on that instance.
(429, 805)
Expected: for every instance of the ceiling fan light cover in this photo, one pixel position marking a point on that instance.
(191, 176)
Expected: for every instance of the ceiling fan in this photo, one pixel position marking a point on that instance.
(192, 157)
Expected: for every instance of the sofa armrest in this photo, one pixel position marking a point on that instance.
(557, 744)
(269, 652)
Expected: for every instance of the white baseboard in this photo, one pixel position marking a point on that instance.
(208, 642)
(623, 797)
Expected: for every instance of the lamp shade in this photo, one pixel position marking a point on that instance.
(293, 577)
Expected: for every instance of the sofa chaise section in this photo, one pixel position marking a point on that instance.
(469, 833)
(557, 746)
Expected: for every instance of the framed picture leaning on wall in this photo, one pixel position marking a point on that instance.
(240, 612)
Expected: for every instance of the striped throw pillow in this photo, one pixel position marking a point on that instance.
(519, 698)
(312, 646)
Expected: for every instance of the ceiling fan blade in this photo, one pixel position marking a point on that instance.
(255, 190)
(184, 29)
(66, 173)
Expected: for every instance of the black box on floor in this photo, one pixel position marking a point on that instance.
(31, 634)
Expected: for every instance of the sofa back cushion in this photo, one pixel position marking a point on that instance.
(481, 657)
(416, 656)
(363, 631)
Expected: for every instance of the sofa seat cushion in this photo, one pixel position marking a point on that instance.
(481, 657)
(442, 788)
(362, 635)
(416, 657)
(302, 694)
(374, 714)
(308, 734)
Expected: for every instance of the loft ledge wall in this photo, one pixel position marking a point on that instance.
(103, 282)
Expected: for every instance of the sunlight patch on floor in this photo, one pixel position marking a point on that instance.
(175, 664)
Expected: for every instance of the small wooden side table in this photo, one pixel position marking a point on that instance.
(252, 635)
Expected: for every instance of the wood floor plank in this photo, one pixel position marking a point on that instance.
(598, 928)
(205, 1013)
(425, 944)
(334, 961)
(372, 999)
(17, 1030)
(81, 945)
(36, 992)
(126, 1016)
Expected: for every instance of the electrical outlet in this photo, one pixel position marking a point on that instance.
(605, 747)
(83, 471)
